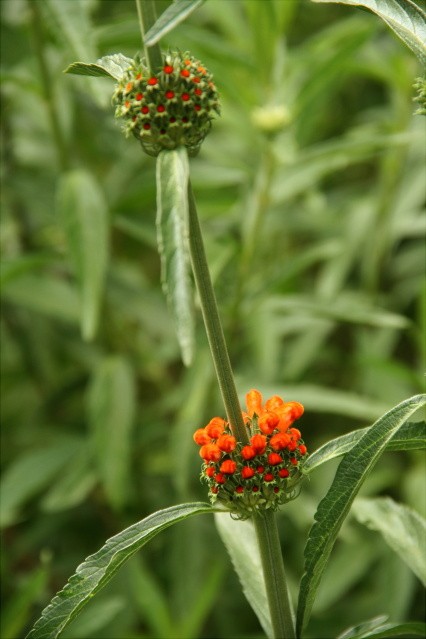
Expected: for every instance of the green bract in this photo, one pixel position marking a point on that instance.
(170, 109)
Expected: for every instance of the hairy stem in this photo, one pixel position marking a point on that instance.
(147, 16)
(275, 580)
(212, 323)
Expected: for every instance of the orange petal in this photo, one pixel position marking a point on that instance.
(273, 402)
(254, 402)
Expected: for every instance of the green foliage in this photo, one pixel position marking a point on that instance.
(314, 232)
(172, 233)
(110, 66)
(405, 17)
(174, 14)
(333, 509)
(97, 570)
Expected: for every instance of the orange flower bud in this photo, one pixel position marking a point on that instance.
(295, 434)
(254, 402)
(258, 442)
(283, 473)
(293, 461)
(200, 437)
(247, 472)
(226, 443)
(210, 471)
(273, 402)
(279, 441)
(215, 427)
(219, 478)
(268, 422)
(303, 450)
(248, 452)
(274, 459)
(228, 467)
(268, 477)
(210, 452)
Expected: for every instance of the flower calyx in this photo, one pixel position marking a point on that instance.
(266, 472)
(171, 108)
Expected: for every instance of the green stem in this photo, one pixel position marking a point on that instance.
(147, 16)
(47, 84)
(212, 323)
(275, 580)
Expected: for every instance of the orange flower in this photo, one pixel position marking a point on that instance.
(274, 459)
(247, 472)
(258, 442)
(228, 467)
(280, 441)
(210, 452)
(248, 452)
(200, 437)
(226, 443)
(215, 427)
(254, 403)
(268, 422)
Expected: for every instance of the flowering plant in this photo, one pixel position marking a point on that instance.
(254, 461)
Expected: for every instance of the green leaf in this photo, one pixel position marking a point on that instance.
(172, 16)
(110, 66)
(172, 232)
(239, 538)
(333, 509)
(111, 408)
(402, 528)
(411, 436)
(377, 628)
(30, 474)
(97, 570)
(406, 19)
(43, 294)
(84, 214)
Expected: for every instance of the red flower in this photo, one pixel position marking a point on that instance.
(185, 97)
(152, 82)
(170, 95)
(283, 472)
(274, 459)
(258, 442)
(247, 472)
(168, 69)
(268, 477)
(248, 452)
(228, 467)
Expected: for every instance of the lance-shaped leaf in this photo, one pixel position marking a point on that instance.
(402, 528)
(240, 540)
(379, 628)
(96, 571)
(172, 233)
(405, 17)
(411, 436)
(172, 16)
(110, 66)
(111, 410)
(333, 509)
(84, 214)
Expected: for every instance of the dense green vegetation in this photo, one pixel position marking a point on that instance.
(310, 188)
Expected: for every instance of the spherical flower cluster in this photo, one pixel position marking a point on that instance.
(264, 473)
(171, 108)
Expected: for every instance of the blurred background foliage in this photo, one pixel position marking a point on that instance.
(310, 188)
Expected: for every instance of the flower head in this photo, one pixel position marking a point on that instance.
(171, 108)
(265, 473)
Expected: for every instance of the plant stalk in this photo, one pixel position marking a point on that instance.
(147, 15)
(280, 608)
(212, 323)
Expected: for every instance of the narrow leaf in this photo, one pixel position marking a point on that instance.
(84, 214)
(172, 16)
(111, 408)
(402, 528)
(97, 570)
(172, 233)
(335, 506)
(411, 436)
(405, 17)
(378, 629)
(110, 66)
(239, 538)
